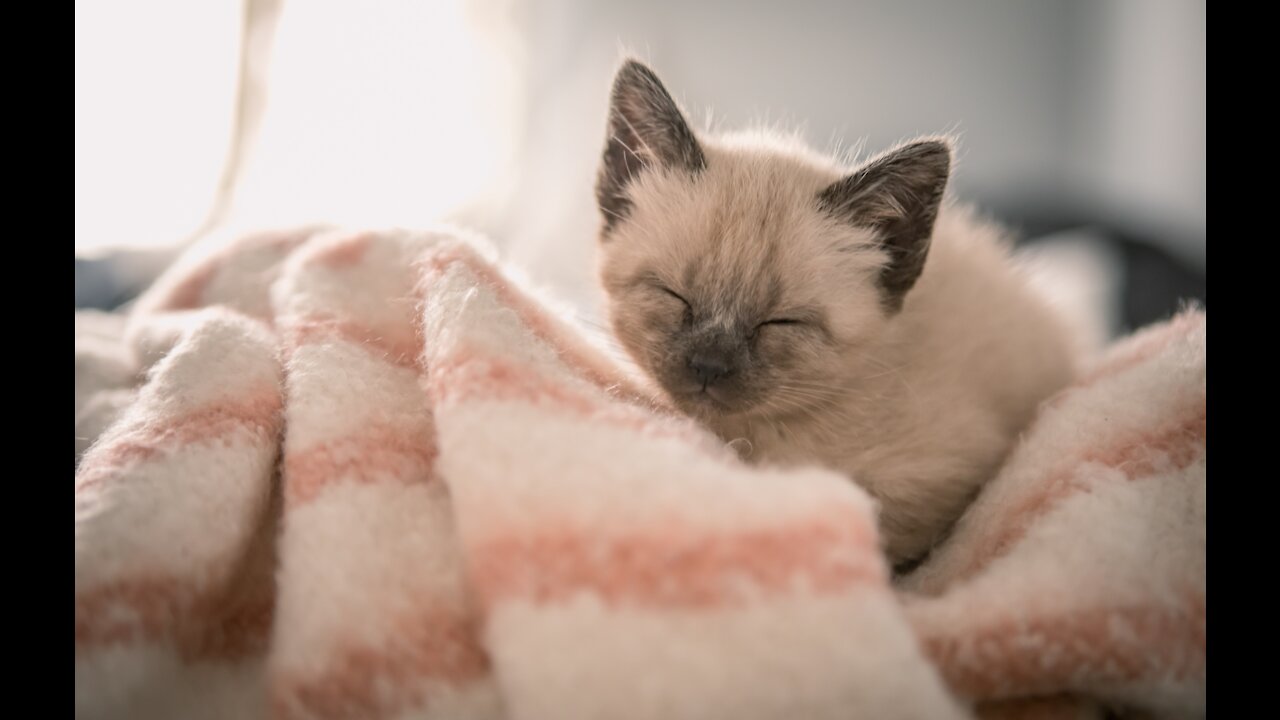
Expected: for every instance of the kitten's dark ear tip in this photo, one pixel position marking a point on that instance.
(937, 143)
(937, 151)
(632, 66)
(646, 130)
(633, 73)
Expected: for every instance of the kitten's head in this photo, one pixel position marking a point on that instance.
(743, 273)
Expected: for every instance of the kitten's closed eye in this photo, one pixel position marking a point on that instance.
(675, 295)
(686, 318)
(777, 323)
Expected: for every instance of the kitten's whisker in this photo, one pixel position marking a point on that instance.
(881, 363)
(812, 391)
(806, 393)
(807, 403)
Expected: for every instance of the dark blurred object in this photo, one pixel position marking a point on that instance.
(108, 281)
(96, 286)
(1155, 283)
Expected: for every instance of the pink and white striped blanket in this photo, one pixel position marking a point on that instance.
(337, 475)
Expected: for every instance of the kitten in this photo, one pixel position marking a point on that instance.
(851, 318)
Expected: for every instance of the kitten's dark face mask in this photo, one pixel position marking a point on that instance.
(712, 369)
(716, 354)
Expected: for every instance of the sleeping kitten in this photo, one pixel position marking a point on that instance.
(849, 317)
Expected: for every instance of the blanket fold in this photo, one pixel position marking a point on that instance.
(331, 474)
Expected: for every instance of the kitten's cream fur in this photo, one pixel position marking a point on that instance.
(918, 405)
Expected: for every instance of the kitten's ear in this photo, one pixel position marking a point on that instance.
(897, 194)
(646, 130)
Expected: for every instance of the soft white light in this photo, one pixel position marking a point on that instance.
(393, 112)
(155, 103)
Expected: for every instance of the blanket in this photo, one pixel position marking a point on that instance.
(332, 474)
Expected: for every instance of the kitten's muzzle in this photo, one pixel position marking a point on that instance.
(708, 369)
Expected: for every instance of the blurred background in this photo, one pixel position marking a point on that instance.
(1081, 122)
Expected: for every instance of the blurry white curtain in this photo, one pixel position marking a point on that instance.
(156, 88)
(394, 112)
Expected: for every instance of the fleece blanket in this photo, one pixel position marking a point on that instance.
(325, 474)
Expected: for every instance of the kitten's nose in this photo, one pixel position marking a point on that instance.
(708, 369)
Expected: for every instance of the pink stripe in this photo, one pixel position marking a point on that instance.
(466, 376)
(380, 452)
(1076, 650)
(258, 413)
(188, 293)
(363, 682)
(398, 349)
(198, 624)
(1141, 454)
(675, 565)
